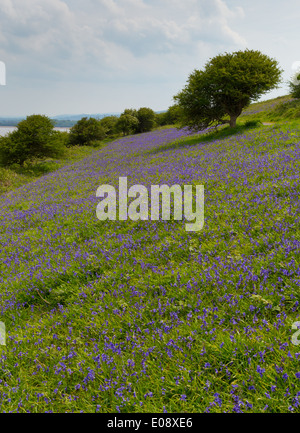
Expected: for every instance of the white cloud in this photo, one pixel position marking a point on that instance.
(97, 32)
(87, 54)
(104, 42)
(296, 66)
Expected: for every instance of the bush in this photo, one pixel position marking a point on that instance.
(252, 123)
(295, 86)
(34, 137)
(86, 131)
(127, 124)
(109, 124)
(160, 119)
(62, 136)
(172, 115)
(146, 118)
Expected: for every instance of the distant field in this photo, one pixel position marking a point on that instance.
(125, 316)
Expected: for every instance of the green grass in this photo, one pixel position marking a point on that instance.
(199, 313)
(278, 109)
(18, 175)
(218, 133)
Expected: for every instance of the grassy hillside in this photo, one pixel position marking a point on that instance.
(283, 108)
(124, 316)
(16, 175)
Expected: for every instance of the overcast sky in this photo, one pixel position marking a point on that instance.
(100, 56)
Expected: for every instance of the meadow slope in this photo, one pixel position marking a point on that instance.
(144, 316)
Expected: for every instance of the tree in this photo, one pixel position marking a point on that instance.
(173, 115)
(146, 118)
(109, 123)
(294, 85)
(85, 131)
(130, 111)
(127, 124)
(34, 137)
(228, 84)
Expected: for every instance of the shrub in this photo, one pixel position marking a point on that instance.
(252, 123)
(86, 131)
(172, 115)
(34, 137)
(146, 119)
(160, 119)
(127, 124)
(109, 124)
(295, 85)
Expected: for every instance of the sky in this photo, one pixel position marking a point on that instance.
(102, 56)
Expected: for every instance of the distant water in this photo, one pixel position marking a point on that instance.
(4, 130)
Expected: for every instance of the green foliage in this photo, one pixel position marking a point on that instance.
(109, 124)
(86, 131)
(294, 85)
(228, 83)
(8, 179)
(146, 119)
(289, 111)
(134, 121)
(160, 119)
(63, 136)
(174, 114)
(16, 175)
(34, 137)
(170, 117)
(274, 110)
(127, 124)
(130, 111)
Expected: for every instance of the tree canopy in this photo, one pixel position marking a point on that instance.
(146, 118)
(109, 123)
(85, 131)
(34, 137)
(294, 85)
(127, 124)
(228, 83)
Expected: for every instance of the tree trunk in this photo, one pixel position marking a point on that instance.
(232, 121)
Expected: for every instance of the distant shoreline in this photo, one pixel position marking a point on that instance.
(4, 130)
(58, 123)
